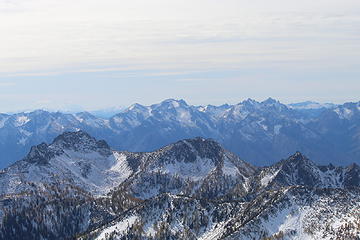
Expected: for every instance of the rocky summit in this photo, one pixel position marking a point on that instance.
(77, 187)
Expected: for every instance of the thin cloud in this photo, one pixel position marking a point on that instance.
(7, 84)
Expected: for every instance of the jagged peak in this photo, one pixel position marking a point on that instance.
(270, 101)
(298, 157)
(190, 149)
(136, 107)
(76, 141)
(80, 140)
(41, 154)
(171, 100)
(297, 160)
(249, 101)
(172, 103)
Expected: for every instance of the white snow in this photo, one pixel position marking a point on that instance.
(184, 117)
(196, 170)
(268, 178)
(91, 171)
(202, 108)
(238, 112)
(215, 232)
(344, 113)
(175, 104)
(229, 168)
(2, 121)
(286, 220)
(78, 118)
(21, 120)
(331, 178)
(120, 227)
(277, 129)
(104, 173)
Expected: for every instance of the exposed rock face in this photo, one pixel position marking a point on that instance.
(40, 154)
(78, 188)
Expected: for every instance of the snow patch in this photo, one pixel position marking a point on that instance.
(229, 168)
(21, 120)
(184, 117)
(268, 178)
(22, 141)
(277, 129)
(344, 113)
(120, 227)
(288, 219)
(196, 170)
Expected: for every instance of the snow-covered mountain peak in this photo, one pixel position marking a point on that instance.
(169, 106)
(190, 149)
(174, 103)
(191, 189)
(296, 170)
(270, 101)
(136, 108)
(249, 101)
(80, 141)
(41, 154)
(299, 170)
(348, 111)
(296, 160)
(197, 167)
(271, 104)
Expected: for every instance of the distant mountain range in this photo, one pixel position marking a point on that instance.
(78, 188)
(259, 132)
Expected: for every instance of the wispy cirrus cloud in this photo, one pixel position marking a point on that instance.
(118, 50)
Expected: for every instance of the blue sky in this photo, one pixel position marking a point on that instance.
(96, 54)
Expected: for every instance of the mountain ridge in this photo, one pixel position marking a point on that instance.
(190, 189)
(326, 134)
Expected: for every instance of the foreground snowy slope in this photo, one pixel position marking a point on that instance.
(78, 188)
(72, 158)
(295, 199)
(291, 213)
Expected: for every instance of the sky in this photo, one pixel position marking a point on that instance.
(92, 54)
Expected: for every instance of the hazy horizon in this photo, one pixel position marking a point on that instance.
(119, 108)
(97, 54)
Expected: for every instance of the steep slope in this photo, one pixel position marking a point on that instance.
(52, 192)
(20, 131)
(152, 127)
(193, 167)
(340, 127)
(167, 216)
(293, 212)
(296, 213)
(299, 170)
(77, 182)
(72, 158)
(77, 187)
(294, 199)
